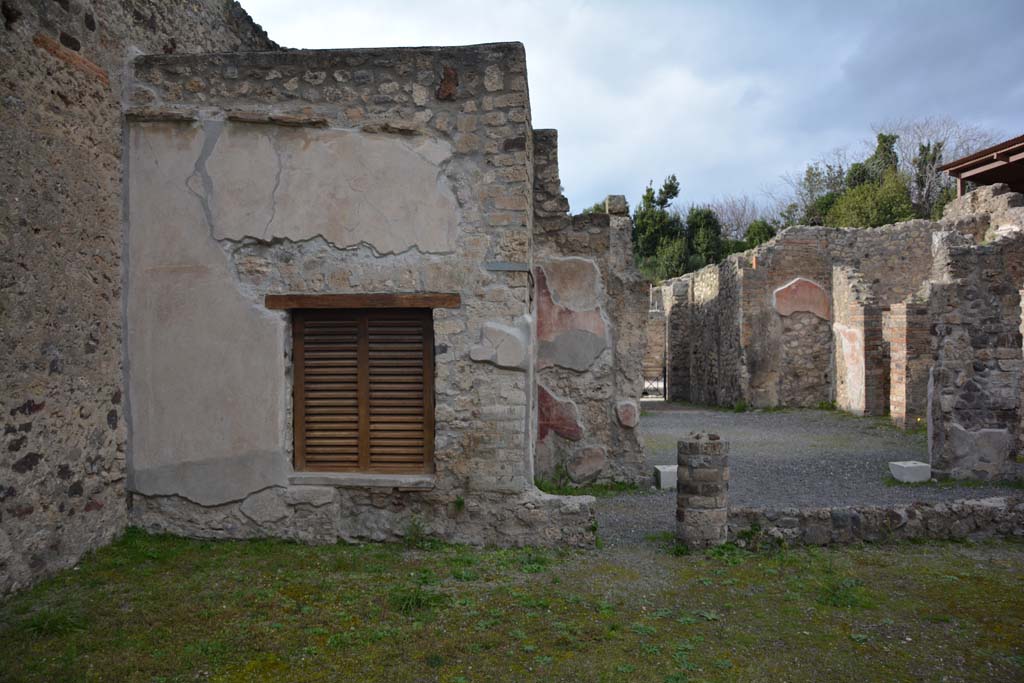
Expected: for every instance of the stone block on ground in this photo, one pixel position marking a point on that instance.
(665, 476)
(910, 471)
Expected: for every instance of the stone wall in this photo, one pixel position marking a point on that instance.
(974, 394)
(995, 206)
(703, 352)
(785, 321)
(63, 417)
(678, 341)
(767, 326)
(343, 171)
(591, 307)
(958, 520)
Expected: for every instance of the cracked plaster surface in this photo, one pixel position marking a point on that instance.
(349, 187)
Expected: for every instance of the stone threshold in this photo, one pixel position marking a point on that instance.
(359, 480)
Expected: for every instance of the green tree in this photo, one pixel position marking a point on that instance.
(758, 232)
(703, 224)
(670, 261)
(884, 158)
(653, 220)
(816, 211)
(659, 241)
(789, 215)
(857, 174)
(873, 204)
(598, 207)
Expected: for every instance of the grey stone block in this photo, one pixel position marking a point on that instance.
(666, 477)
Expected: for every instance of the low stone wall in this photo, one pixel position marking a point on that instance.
(962, 519)
(328, 514)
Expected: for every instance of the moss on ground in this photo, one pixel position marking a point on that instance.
(157, 608)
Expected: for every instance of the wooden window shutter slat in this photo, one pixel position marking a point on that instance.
(364, 390)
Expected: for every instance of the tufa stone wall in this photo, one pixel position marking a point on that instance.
(974, 392)
(343, 171)
(769, 327)
(993, 206)
(959, 520)
(591, 306)
(62, 468)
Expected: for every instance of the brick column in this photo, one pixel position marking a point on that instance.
(702, 510)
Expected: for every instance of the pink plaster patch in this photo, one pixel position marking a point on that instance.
(802, 295)
(627, 413)
(566, 338)
(560, 417)
(553, 319)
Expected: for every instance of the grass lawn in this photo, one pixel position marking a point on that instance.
(157, 608)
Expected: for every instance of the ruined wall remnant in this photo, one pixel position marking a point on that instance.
(909, 335)
(974, 401)
(792, 339)
(956, 520)
(342, 172)
(591, 307)
(1000, 210)
(63, 419)
(915, 319)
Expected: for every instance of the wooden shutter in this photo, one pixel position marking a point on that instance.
(364, 390)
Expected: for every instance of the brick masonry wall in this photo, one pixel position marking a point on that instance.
(591, 307)
(63, 437)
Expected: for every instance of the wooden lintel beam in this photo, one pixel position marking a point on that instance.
(400, 300)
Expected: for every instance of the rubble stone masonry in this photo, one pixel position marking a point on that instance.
(63, 422)
(591, 305)
(920, 320)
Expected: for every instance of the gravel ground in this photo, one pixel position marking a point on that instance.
(791, 458)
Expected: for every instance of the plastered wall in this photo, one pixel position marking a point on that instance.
(349, 171)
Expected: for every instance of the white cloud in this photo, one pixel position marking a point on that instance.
(727, 95)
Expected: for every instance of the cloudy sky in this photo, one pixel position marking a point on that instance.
(728, 95)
